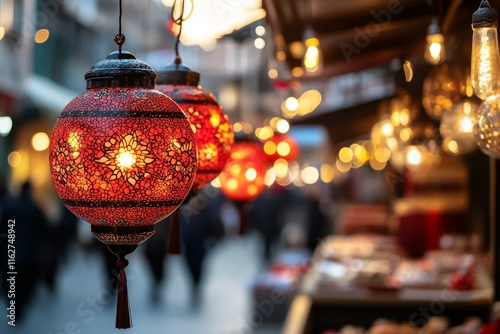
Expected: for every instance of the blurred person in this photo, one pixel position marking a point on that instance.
(155, 250)
(201, 229)
(31, 237)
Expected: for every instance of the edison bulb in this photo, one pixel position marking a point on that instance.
(435, 52)
(457, 128)
(485, 63)
(487, 126)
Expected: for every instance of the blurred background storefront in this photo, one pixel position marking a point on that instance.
(389, 200)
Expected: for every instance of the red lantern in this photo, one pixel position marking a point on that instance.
(242, 179)
(122, 157)
(281, 146)
(212, 128)
(243, 176)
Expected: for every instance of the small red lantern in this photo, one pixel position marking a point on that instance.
(242, 179)
(281, 146)
(212, 128)
(122, 157)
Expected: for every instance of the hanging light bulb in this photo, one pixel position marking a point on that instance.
(487, 127)
(435, 52)
(313, 56)
(485, 62)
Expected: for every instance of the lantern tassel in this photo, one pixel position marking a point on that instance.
(123, 319)
(174, 235)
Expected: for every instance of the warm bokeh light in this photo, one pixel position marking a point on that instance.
(40, 141)
(259, 43)
(272, 73)
(327, 173)
(282, 126)
(42, 35)
(2, 32)
(14, 159)
(345, 154)
(435, 52)
(5, 125)
(312, 56)
(260, 30)
(310, 175)
(291, 103)
(281, 55)
(343, 167)
(413, 156)
(280, 168)
(297, 72)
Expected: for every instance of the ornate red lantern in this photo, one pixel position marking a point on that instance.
(281, 146)
(122, 157)
(212, 128)
(242, 179)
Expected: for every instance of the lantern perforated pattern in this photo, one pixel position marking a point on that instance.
(213, 130)
(243, 176)
(122, 156)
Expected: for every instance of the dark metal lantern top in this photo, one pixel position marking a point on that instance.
(485, 16)
(178, 74)
(434, 28)
(121, 69)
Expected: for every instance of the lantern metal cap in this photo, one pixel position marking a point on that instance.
(485, 16)
(434, 28)
(120, 69)
(178, 74)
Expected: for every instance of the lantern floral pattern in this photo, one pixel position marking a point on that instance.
(213, 130)
(122, 156)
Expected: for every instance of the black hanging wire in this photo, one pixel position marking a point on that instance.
(120, 38)
(178, 21)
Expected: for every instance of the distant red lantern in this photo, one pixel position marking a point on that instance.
(243, 176)
(122, 157)
(281, 146)
(212, 128)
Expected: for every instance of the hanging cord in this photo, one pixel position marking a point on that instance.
(178, 21)
(120, 38)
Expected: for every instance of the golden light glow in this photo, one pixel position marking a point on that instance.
(453, 146)
(435, 53)
(406, 134)
(215, 119)
(41, 36)
(40, 141)
(272, 73)
(376, 164)
(2, 32)
(310, 175)
(5, 125)
(125, 160)
(312, 57)
(387, 129)
(382, 154)
(260, 30)
(291, 103)
(270, 148)
(237, 127)
(15, 158)
(413, 156)
(466, 125)
(297, 49)
(251, 174)
(216, 182)
(282, 126)
(283, 149)
(343, 167)
(280, 168)
(345, 154)
(259, 43)
(408, 70)
(270, 177)
(297, 72)
(485, 63)
(327, 173)
(281, 55)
